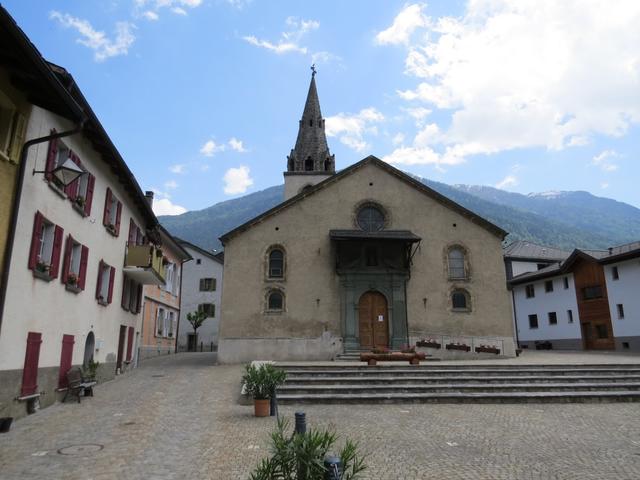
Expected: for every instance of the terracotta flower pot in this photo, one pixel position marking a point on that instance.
(261, 407)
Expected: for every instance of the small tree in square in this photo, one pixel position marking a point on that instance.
(196, 319)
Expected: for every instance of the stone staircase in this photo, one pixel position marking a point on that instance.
(482, 383)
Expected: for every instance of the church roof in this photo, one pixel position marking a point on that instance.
(403, 235)
(471, 216)
(523, 250)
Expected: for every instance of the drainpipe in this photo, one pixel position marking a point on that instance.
(182, 262)
(16, 205)
(515, 317)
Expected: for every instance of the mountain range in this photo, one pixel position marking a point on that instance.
(571, 219)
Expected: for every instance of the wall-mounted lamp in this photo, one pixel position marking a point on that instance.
(66, 173)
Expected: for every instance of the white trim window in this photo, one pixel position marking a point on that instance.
(169, 277)
(160, 322)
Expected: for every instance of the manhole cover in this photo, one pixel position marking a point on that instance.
(157, 376)
(85, 449)
(129, 423)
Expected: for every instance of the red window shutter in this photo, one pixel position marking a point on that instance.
(91, 183)
(99, 282)
(66, 262)
(132, 232)
(72, 189)
(107, 208)
(31, 358)
(82, 275)
(55, 253)
(66, 357)
(125, 286)
(130, 344)
(35, 240)
(51, 158)
(112, 276)
(139, 306)
(118, 215)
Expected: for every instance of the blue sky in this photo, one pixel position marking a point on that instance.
(203, 97)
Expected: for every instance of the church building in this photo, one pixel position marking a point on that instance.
(366, 257)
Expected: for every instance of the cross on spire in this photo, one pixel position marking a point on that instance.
(313, 70)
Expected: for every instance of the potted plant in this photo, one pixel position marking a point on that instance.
(429, 343)
(458, 346)
(260, 381)
(72, 280)
(79, 201)
(43, 267)
(90, 371)
(111, 228)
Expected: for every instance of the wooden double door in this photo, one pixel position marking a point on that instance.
(373, 320)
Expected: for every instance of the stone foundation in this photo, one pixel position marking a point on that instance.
(239, 350)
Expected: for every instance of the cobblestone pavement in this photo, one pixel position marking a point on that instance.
(178, 418)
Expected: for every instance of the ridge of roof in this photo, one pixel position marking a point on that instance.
(212, 256)
(524, 249)
(371, 159)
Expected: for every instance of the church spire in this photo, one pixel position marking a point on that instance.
(311, 153)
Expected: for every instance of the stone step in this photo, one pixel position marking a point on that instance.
(454, 387)
(436, 371)
(418, 379)
(464, 397)
(439, 366)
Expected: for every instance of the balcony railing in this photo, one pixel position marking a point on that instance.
(144, 263)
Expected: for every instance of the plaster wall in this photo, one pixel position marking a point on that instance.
(36, 305)
(294, 182)
(192, 297)
(523, 267)
(625, 291)
(559, 301)
(312, 288)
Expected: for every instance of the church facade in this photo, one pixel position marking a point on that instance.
(367, 257)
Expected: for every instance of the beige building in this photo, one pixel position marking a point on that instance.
(361, 258)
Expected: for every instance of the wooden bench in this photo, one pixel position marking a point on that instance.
(78, 385)
(373, 358)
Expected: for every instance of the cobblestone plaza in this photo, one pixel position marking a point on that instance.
(178, 417)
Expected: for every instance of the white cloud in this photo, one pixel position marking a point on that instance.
(178, 168)
(163, 206)
(520, 75)
(289, 40)
(601, 161)
(150, 15)
(604, 185)
(405, 23)
(398, 138)
(150, 8)
(324, 57)
(237, 180)
(418, 114)
(103, 46)
(352, 128)
(171, 184)
(236, 145)
(508, 181)
(210, 148)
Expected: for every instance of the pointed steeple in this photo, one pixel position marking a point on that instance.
(311, 153)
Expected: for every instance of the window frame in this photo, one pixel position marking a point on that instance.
(112, 214)
(530, 290)
(208, 284)
(533, 325)
(46, 248)
(74, 265)
(569, 315)
(270, 293)
(552, 317)
(105, 272)
(369, 225)
(269, 273)
(548, 286)
(615, 274)
(209, 309)
(456, 265)
(565, 282)
(620, 311)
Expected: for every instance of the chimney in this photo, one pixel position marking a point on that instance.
(149, 195)
(610, 250)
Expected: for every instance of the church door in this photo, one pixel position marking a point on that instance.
(373, 320)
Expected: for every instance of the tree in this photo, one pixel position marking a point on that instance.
(196, 319)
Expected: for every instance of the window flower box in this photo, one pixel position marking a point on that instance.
(111, 228)
(458, 346)
(428, 344)
(102, 301)
(42, 271)
(487, 349)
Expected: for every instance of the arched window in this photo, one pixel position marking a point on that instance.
(276, 263)
(291, 165)
(89, 348)
(370, 218)
(457, 263)
(275, 301)
(327, 165)
(460, 300)
(308, 164)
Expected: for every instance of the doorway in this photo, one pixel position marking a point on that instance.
(373, 320)
(192, 342)
(123, 333)
(89, 348)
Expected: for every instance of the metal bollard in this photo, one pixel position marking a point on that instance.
(333, 468)
(301, 422)
(273, 403)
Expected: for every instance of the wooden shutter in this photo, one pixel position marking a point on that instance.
(82, 275)
(20, 131)
(56, 252)
(112, 276)
(31, 358)
(139, 306)
(214, 284)
(118, 215)
(36, 239)
(107, 208)
(130, 344)
(66, 262)
(99, 282)
(91, 182)
(125, 287)
(66, 357)
(51, 157)
(72, 189)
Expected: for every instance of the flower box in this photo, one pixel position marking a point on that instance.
(111, 228)
(458, 346)
(428, 344)
(372, 358)
(487, 349)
